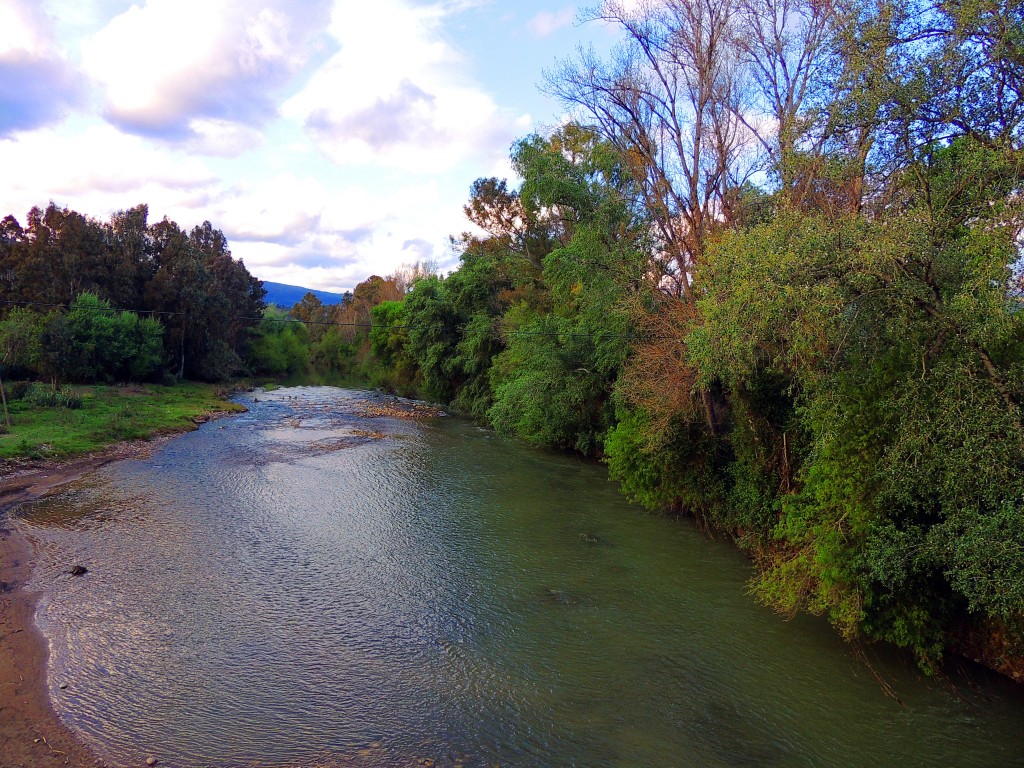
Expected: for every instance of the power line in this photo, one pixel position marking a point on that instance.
(335, 324)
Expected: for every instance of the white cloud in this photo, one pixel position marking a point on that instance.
(97, 170)
(222, 138)
(22, 30)
(396, 94)
(547, 23)
(37, 84)
(169, 62)
(306, 231)
(283, 209)
(185, 114)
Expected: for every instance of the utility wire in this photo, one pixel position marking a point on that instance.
(334, 324)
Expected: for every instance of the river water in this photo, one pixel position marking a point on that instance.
(316, 583)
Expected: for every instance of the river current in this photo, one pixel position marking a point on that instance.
(316, 582)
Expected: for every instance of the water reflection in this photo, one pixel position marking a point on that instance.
(306, 585)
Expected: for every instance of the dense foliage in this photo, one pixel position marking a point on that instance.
(771, 275)
(84, 300)
(772, 278)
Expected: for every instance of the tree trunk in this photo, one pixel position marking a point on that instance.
(3, 397)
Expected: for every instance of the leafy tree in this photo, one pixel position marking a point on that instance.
(20, 334)
(313, 314)
(903, 359)
(210, 302)
(553, 383)
(281, 346)
(98, 343)
(394, 367)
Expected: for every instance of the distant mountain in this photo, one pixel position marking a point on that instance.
(287, 296)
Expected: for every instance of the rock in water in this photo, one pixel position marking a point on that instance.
(151, 761)
(79, 570)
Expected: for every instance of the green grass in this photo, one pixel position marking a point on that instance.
(108, 415)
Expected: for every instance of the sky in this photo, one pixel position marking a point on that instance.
(329, 139)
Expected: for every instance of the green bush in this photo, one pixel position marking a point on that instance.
(17, 390)
(281, 346)
(42, 396)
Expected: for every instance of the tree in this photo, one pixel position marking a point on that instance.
(210, 302)
(130, 261)
(407, 275)
(789, 52)
(179, 291)
(20, 334)
(99, 343)
(281, 346)
(312, 313)
(394, 366)
(900, 354)
(553, 383)
(669, 102)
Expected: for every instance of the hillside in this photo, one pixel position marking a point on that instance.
(287, 296)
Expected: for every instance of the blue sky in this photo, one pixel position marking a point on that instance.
(329, 139)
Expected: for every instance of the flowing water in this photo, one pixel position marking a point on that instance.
(314, 582)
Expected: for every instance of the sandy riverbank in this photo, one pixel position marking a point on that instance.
(31, 734)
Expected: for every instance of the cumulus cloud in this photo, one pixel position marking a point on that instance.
(403, 116)
(180, 106)
(419, 250)
(172, 68)
(37, 83)
(547, 23)
(222, 138)
(96, 170)
(305, 230)
(395, 93)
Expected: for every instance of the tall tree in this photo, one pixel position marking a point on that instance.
(669, 100)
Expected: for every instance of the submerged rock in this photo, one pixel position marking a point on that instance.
(79, 570)
(561, 597)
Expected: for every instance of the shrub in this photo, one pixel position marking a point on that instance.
(17, 390)
(43, 396)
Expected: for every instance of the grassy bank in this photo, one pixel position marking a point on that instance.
(100, 416)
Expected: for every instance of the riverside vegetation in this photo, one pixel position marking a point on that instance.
(86, 419)
(770, 275)
(88, 305)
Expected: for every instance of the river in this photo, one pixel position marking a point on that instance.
(315, 583)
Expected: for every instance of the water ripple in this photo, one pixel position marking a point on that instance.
(306, 585)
